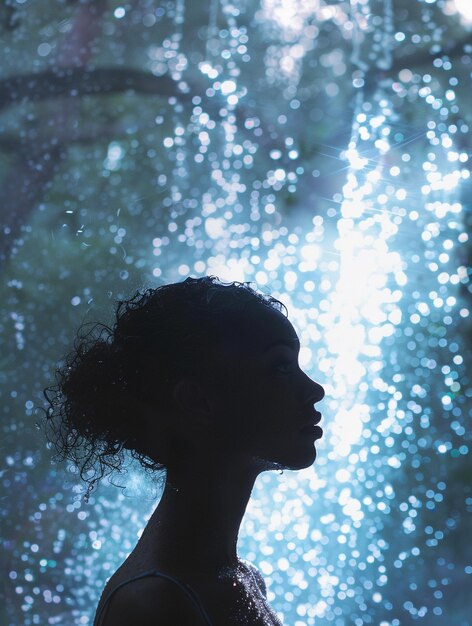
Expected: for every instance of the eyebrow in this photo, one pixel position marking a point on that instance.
(284, 342)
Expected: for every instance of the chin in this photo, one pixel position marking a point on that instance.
(308, 462)
(304, 457)
(308, 458)
(301, 461)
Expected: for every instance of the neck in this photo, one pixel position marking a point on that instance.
(196, 523)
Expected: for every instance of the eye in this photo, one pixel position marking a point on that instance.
(284, 367)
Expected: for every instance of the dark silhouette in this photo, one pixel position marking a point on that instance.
(199, 378)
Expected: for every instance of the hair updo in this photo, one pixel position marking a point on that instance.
(92, 413)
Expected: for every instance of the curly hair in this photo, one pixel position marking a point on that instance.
(92, 416)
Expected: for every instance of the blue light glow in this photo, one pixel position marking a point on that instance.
(319, 150)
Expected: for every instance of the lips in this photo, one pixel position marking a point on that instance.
(312, 431)
(315, 418)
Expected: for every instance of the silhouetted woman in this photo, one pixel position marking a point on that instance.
(199, 378)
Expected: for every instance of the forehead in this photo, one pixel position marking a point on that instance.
(260, 327)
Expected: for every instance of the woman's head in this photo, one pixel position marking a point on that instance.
(122, 387)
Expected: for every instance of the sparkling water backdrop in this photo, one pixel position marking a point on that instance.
(319, 149)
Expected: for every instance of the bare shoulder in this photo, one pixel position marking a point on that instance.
(151, 601)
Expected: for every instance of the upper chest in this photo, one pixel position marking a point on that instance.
(236, 600)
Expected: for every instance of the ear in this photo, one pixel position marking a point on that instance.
(191, 398)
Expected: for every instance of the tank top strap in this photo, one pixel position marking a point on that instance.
(189, 592)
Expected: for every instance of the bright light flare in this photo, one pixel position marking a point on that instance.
(464, 8)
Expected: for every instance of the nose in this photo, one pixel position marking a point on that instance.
(316, 393)
(320, 392)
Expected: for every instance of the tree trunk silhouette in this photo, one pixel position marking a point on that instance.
(34, 167)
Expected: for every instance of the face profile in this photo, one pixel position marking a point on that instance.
(270, 400)
(200, 382)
